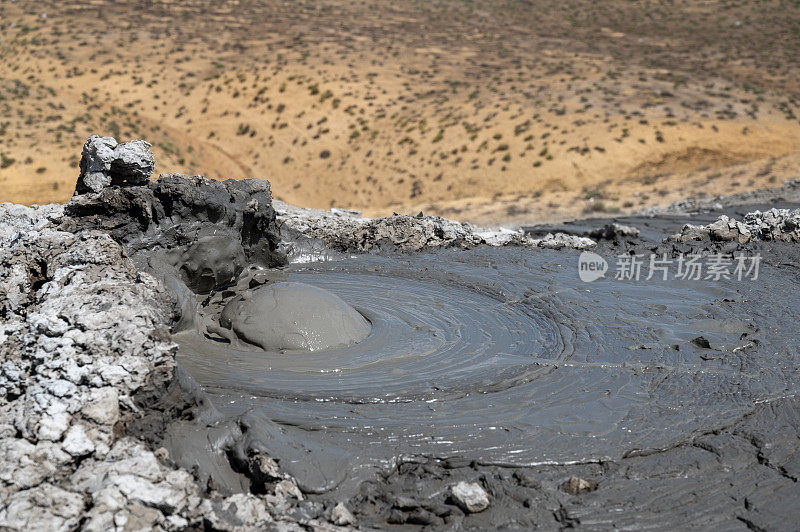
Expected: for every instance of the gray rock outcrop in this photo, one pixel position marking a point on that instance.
(176, 211)
(105, 162)
(613, 231)
(189, 232)
(780, 225)
(470, 496)
(310, 232)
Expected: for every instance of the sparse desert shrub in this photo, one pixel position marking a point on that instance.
(596, 194)
(596, 206)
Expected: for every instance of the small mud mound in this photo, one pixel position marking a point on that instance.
(293, 317)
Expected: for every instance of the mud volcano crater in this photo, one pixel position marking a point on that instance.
(381, 376)
(497, 357)
(367, 332)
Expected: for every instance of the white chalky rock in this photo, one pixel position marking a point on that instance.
(45, 507)
(104, 162)
(51, 428)
(341, 516)
(470, 497)
(76, 442)
(103, 407)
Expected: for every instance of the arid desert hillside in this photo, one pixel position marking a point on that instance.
(503, 111)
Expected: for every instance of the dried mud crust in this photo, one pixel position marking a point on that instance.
(310, 233)
(779, 225)
(177, 210)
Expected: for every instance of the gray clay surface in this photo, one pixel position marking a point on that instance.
(294, 316)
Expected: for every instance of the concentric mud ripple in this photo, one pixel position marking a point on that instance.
(501, 356)
(428, 341)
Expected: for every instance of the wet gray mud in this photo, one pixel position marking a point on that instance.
(498, 364)
(611, 404)
(290, 316)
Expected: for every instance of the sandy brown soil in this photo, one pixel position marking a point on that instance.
(499, 111)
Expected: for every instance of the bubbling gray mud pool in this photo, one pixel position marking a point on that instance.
(496, 357)
(615, 404)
